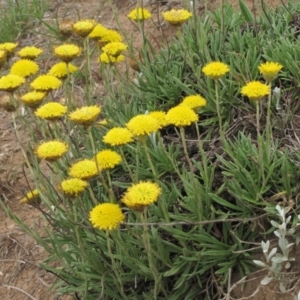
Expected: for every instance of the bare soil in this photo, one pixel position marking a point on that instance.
(21, 278)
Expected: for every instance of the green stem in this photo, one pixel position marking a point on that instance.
(259, 143)
(149, 159)
(95, 202)
(269, 137)
(222, 135)
(127, 165)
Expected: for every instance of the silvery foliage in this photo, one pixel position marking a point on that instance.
(276, 261)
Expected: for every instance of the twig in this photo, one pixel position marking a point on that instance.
(18, 289)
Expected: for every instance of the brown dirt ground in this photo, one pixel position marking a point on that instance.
(20, 255)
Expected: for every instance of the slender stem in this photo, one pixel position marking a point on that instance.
(222, 136)
(95, 202)
(182, 135)
(127, 165)
(268, 123)
(149, 159)
(137, 161)
(259, 143)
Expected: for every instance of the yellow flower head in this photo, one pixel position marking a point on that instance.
(67, 52)
(30, 52)
(8, 47)
(107, 59)
(31, 198)
(139, 14)
(255, 90)
(270, 70)
(84, 27)
(10, 82)
(114, 49)
(3, 57)
(160, 117)
(51, 151)
(106, 216)
(33, 99)
(215, 69)
(85, 115)
(111, 36)
(62, 69)
(142, 125)
(45, 83)
(107, 159)
(193, 101)
(141, 195)
(181, 116)
(24, 68)
(84, 169)
(118, 136)
(98, 32)
(72, 187)
(51, 111)
(176, 16)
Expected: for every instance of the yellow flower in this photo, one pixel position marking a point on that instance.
(176, 16)
(215, 69)
(10, 82)
(255, 90)
(72, 187)
(45, 83)
(84, 27)
(107, 59)
(51, 151)
(142, 125)
(270, 70)
(193, 101)
(24, 68)
(3, 57)
(51, 111)
(160, 117)
(85, 115)
(114, 49)
(61, 70)
(30, 52)
(139, 14)
(8, 47)
(31, 198)
(98, 32)
(118, 136)
(106, 216)
(141, 195)
(107, 159)
(33, 99)
(111, 36)
(181, 116)
(84, 169)
(67, 52)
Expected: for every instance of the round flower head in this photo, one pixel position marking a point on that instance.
(114, 49)
(181, 116)
(160, 117)
(215, 69)
(84, 169)
(270, 70)
(66, 27)
(193, 101)
(107, 59)
(108, 159)
(3, 57)
(85, 115)
(141, 195)
(10, 82)
(142, 125)
(118, 136)
(30, 52)
(24, 68)
(31, 198)
(51, 151)
(62, 69)
(45, 83)
(84, 27)
(8, 47)
(51, 111)
(139, 14)
(255, 90)
(67, 52)
(33, 99)
(72, 187)
(176, 16)
(106, 216)
(98, 32)
(111, 36)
